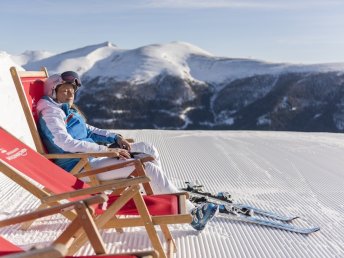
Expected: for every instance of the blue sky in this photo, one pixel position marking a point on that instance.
(298, 31)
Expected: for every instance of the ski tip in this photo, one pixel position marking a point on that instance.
(292, 218)
(313, 230)
(316, 229)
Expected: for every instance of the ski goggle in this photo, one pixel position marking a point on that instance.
(71, 77)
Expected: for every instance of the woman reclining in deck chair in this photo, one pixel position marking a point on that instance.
(63, 130)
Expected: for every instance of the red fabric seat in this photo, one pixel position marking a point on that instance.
(7, 247)
(57, 180)
(34, 91)
(157, 205)
(105, 256)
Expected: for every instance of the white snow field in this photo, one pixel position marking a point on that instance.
(288, 172)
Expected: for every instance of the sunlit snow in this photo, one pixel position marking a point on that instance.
(288, 172)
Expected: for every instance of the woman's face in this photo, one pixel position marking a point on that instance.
(65, 94)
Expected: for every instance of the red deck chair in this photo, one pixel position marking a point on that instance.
(29, 86)
(59, 248)
(16, 159)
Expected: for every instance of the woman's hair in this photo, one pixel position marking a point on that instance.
(75, 107)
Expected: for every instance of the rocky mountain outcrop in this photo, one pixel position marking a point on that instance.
(290, 101)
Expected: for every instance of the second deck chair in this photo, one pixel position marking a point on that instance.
(82, 220)
(16, 159)
(59, 248)
(29, 86)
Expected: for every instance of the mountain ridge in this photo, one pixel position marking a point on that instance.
(180, 86)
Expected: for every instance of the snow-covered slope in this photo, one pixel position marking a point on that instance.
(290, 173)
(79, 60)
(30, 56)
(218, 70)
(145, 63)
(11, 113)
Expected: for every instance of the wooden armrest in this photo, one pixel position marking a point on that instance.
(178, 193)
(100, 198)
(81, 155)
(93, 172)
(123, 164)
(120, 183)
(146, 159)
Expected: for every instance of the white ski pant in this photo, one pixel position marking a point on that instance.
(159, 182)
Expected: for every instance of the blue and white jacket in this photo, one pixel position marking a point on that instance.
(64, 130)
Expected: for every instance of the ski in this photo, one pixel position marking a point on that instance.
(198, 197)
(225, 198)
(231, 213)
(242, 212)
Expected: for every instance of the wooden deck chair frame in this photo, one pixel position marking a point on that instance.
(49, 197)
(83, 221)
(36, 79)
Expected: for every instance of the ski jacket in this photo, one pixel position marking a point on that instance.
(64, 130)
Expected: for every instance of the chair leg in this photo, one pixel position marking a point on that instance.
(69, 236)
(108, 215)
(85, 217)
(148, 223)
(82, 224)
(172, 248)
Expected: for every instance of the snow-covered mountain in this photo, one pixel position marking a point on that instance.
(178, 85)
(178, 59)
(30, 56)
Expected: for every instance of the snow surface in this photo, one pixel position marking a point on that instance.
(290, 173)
